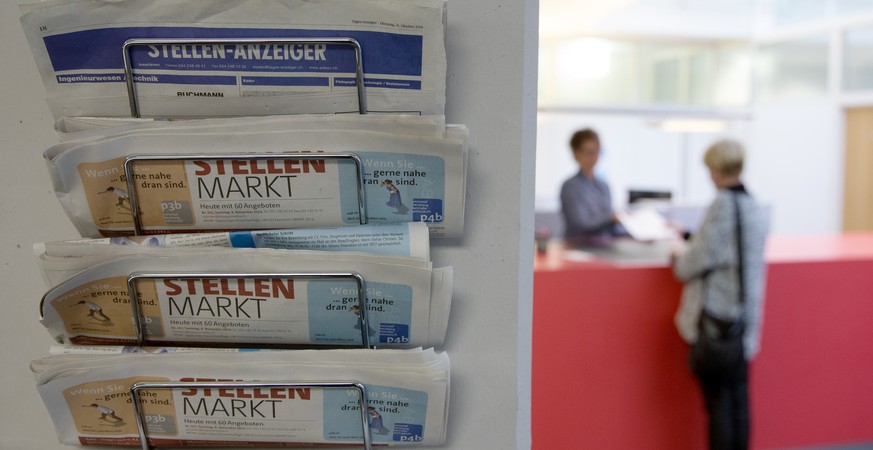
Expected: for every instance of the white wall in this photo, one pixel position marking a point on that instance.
(492, 50)
(492, 89)
(797, 165)
(29, 212)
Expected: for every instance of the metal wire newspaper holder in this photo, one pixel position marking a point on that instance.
(131, 160)
(139, 328)
(135, 108)
(142, 419)
(133, 197)
(131, 85)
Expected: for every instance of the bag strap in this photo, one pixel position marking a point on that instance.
(740, 264)
(736, 327)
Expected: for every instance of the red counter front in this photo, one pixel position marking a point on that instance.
(610, 372)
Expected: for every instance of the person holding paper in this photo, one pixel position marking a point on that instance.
(723, 271)
(586, 203)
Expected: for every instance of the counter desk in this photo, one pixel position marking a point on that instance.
(610, 371)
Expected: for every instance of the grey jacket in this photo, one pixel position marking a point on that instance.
(713, 250)
(587, 208)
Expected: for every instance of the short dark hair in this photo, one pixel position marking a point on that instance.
(582, 136)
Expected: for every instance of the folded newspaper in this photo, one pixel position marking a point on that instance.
(84, 352)
(89, 397)
(193, 67)
(91, 128)
(200, 181)
(281, 298)
(403, 239)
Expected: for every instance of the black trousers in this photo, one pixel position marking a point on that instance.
(727, 404)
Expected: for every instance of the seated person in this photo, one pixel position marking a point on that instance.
(586, 203)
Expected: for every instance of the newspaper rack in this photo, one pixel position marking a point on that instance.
(132, 278)
(131, 85)
(141, 418)
(130, 160)
(139, 328)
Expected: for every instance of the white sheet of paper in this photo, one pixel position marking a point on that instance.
(646, 224)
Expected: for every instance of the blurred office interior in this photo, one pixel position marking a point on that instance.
(662, 79)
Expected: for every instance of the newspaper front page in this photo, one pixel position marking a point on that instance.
(89, 399)
(78, 48)
(407, 302)
(405, 178)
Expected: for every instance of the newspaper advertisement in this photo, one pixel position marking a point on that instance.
(403, 239)
(78, 48)
(90, 399)
(394, 178)
(406, 305)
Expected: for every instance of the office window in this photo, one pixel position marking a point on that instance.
(858, 60)
(793, 12)
(666, 81)
(605, 72)
(731, 85)
(787, 13)
(588, 71)
(846, 7)
(793, 70)
(713, 75)
(664, 73)
(700, 80)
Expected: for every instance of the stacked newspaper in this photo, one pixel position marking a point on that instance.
(402, 239)
(239, 57)
(263, 231)
(90, 128)
(88, 395)
(260, 173)
(282, 297)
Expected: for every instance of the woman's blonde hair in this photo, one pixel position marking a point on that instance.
(726, 157)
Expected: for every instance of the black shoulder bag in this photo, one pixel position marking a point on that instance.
(719, 347)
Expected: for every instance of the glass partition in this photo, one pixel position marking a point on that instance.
(793, 70)
(858, 60)
(607, 72)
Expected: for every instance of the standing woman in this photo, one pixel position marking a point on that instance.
(723, 270)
